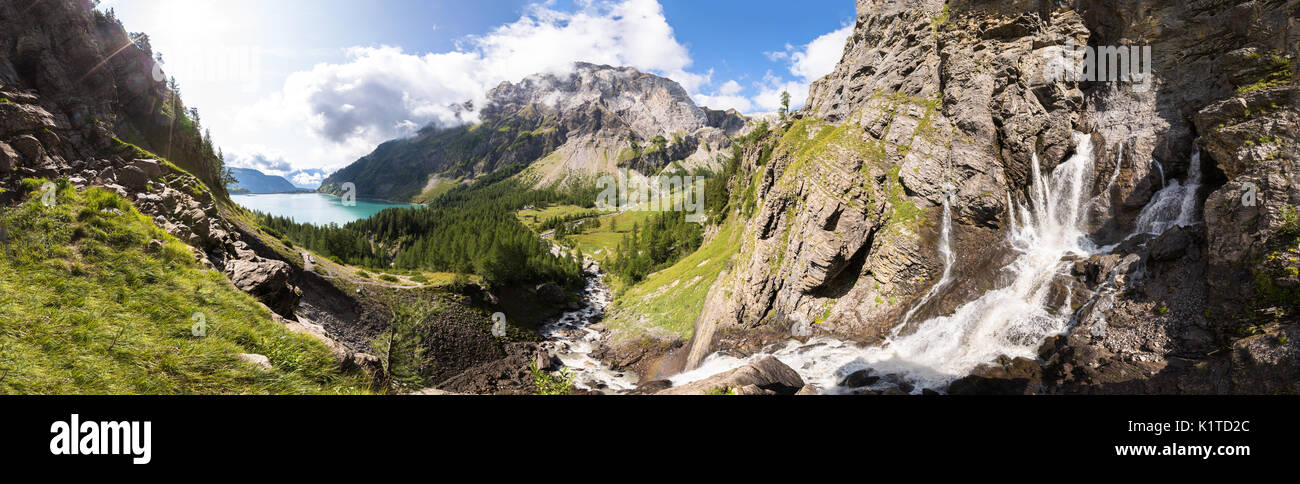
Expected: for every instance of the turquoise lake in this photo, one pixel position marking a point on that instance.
(313, 208)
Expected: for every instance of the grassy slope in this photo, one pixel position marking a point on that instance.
(672, 299)
(85, 307)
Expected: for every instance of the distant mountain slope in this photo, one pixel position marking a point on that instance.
(597, 119)
(254, 181)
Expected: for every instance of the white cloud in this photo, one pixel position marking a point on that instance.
(307, 178)
(768, 98)
(723, 102)
(381, 93)
(728, 96)
(821, 55)
(260, 158)
(730, 88)
(807, 64)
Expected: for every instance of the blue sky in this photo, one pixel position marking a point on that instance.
(301, 87)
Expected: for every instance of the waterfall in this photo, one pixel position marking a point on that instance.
(1011, 320)
(1119, 163)
(949, 258)
(1175, 205)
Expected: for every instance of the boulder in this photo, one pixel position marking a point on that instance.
(151, 168)
(546, 362)
(267, 280)
(20, 118)
(29, 148)
(8, 158)
(132, 177)
(1172, 245)
(768, 374)
(652, 387)
(860, 378)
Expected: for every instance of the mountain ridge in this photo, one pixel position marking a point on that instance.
(594, 120)
(250, 180)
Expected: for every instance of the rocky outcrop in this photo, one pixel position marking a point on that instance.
(594, 120)
(267, 280)
(956, 101)
(767, 376)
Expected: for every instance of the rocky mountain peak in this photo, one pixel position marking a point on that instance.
(647, 104)
(594, 119)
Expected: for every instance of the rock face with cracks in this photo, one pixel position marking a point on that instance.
(953, 100)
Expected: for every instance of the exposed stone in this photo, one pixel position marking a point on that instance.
(132, 177)
(860, 378)
(29, 148)
(766, 374)
(270, 281)
(8, 158)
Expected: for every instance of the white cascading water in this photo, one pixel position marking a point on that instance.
(949, 258)
(1010, 320)
(1119, 163)
(1175, 205)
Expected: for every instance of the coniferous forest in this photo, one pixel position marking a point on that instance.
(469, 229)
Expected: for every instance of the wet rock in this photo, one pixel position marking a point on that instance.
(767, 374)
(860, 378)
(1020, 376)
(652, 387)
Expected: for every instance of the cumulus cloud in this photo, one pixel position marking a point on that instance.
(259, 158)
(806, 64)
(727, 96)
(380, 93)
(307, 178)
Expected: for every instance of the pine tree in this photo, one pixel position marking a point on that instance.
(785, 105)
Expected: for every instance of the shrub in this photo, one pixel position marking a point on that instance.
(546, 383)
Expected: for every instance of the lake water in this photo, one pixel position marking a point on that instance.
(313, 208)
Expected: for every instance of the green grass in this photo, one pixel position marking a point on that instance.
(672, 299)
(86, 307)
(440, 187)
(603, 242)
(537, 216)
(1278, 73)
